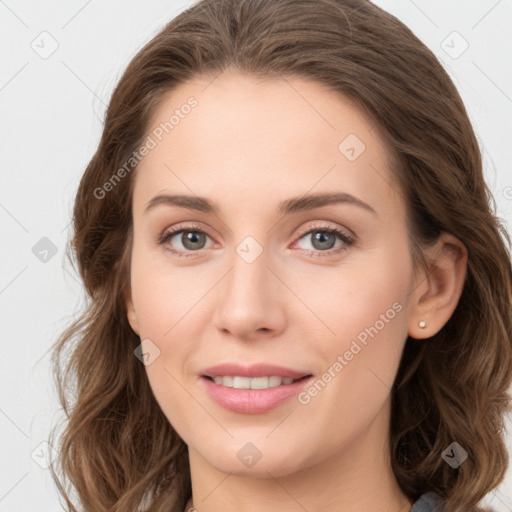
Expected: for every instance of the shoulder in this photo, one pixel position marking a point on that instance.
(428, 502)
(431, 502)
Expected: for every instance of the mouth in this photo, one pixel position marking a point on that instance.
(241, 382)
(253, 395)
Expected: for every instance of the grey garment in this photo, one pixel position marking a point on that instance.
(428, 502)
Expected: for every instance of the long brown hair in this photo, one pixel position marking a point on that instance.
(118, 450)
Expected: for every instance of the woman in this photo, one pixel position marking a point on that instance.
(299, 294)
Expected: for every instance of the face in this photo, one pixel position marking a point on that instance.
(266, 276)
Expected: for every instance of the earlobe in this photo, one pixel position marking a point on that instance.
(439, 288)
(130, 312)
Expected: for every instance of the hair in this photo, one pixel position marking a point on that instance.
(118, 449)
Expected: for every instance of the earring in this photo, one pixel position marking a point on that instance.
(422, 324)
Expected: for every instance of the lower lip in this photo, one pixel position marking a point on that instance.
(252, 401)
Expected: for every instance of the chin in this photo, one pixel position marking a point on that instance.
(261, 459)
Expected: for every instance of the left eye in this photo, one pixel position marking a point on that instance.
(324, 238)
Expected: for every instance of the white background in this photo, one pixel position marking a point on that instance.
(51, 111)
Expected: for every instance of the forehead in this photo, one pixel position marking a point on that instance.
(239, 137)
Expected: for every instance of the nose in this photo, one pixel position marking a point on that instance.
(251, 299)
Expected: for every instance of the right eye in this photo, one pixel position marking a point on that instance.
(191, 238)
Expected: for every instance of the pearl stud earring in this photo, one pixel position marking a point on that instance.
(422, 324)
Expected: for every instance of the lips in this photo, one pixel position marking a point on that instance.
(252, 401)
(243, 389)
(254, 370)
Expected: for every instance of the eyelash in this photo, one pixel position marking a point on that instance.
(341, 235)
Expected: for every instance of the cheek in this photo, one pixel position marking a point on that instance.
(170, 304)
(164, 293)
(361, 312)
(165, 299)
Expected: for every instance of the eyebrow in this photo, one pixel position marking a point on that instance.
(293, 205)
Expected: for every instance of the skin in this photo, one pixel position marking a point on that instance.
(248, 145)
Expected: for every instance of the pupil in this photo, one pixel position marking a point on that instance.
(320, 237)
(192, 237)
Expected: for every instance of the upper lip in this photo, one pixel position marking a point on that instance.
(253, 370)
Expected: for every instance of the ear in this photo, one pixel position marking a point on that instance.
(130, 311)
(438, 288)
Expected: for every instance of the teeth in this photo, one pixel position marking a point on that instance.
(251, 383)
